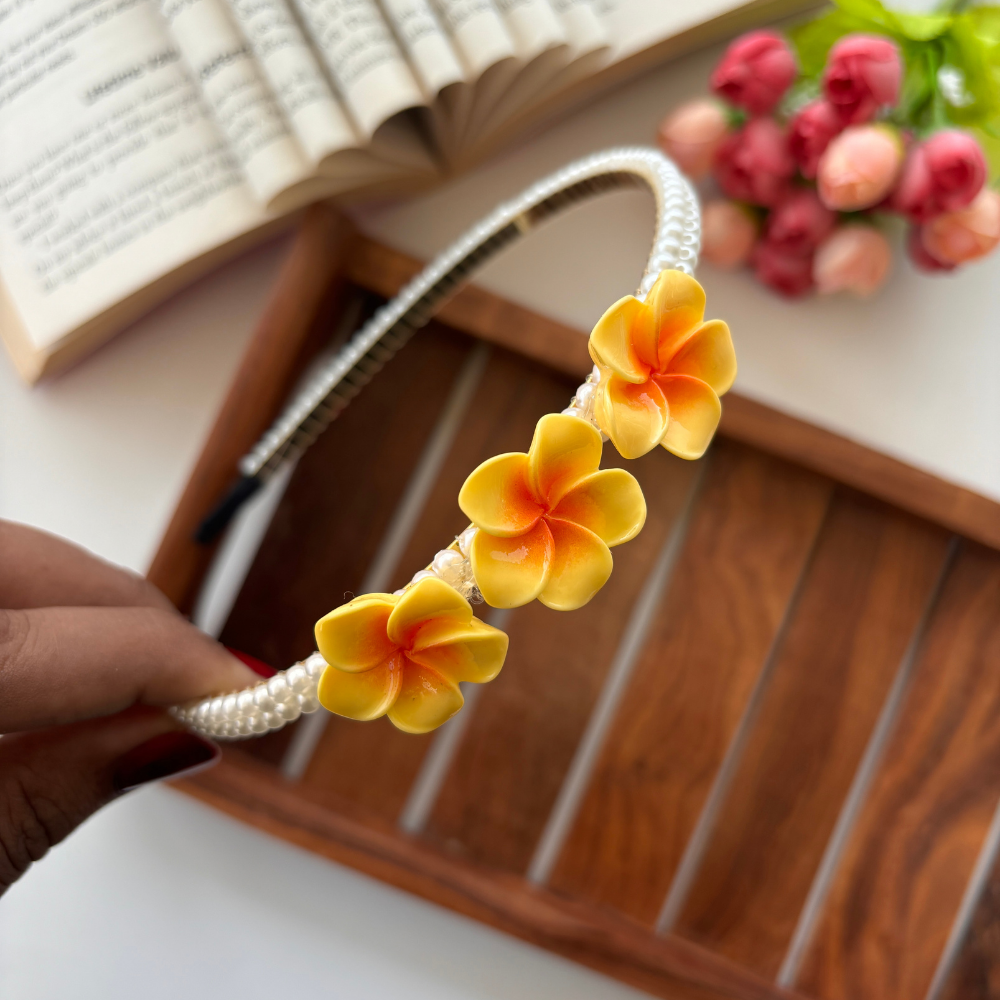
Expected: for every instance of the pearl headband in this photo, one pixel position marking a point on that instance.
(544, 521)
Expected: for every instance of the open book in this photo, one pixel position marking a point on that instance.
(142, 140)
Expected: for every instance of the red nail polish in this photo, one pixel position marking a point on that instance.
(257, 666)
(165, 756)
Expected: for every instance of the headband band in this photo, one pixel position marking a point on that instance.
(543, 522)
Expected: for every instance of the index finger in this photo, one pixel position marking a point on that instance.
(60, 665)
(39, 570)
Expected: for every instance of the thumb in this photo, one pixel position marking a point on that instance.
(52, 780)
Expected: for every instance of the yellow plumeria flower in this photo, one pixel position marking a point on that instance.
(548, 518)
(404, 656)
(663, 369)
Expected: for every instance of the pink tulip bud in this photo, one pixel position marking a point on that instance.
(921, 258)
(810, 133)
(968, 233)
(755, 72)
(728, 232)
(853, 258)
(942, 174)
(786, 273)
(691, 136)
(862, 75)
(799, 223)
(754, 164)
(859, 167)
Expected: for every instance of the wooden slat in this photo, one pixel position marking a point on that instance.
(976, 972)
(302, 308)
(512, 762)
(337, 505)
(748, 543)
(376, 764)
(895, 896)
(615, 946)
(382, 269)
(872, 574)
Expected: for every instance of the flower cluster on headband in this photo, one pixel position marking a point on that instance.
(543, 521)
(663, 369)
(404, 656)
(866, 112)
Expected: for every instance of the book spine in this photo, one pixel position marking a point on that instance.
(316, 116)
(430, 53)
(236, 92)
(363, 59)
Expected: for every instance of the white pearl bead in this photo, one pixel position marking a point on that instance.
(298, 679)
(244, 701)
(258, 725)
(215, 709)
(277, 687)
(263, 698)
(203, 713)
(424, 574)
(465, 540)
(243, 727)
(229, 706)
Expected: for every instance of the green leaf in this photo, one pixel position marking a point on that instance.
(814, 39)
(922, 27)
(991, 147)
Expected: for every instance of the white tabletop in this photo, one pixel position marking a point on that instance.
(161, 897)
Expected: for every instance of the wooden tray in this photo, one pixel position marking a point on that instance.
(767, 753)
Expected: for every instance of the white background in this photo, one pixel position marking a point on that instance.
(161, 897)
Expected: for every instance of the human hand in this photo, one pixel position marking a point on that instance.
(90, 657)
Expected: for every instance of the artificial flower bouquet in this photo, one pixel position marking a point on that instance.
(863, 112)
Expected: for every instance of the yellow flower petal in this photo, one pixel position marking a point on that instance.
(428, 601)
(624, 340)
(707, 354)
(633, 416)
(563, 451)
(365, 695)
(426, 700)
(610, 503)
(497, 496)
(677, 303)
(471, 652)
(581, 566)
(353, 637)
(694, 415)
(512, 571)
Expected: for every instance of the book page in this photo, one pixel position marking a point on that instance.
(477, 33)
(430, 53)
(533, 25)
(315, 115)
(112, 172)
(362, 58)
(235, 89)
(584, 28)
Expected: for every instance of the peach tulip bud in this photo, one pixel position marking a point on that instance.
(728, 232)
(859, 167)
(691, 135)
(921, 258)
(971, 232)
(853, 258)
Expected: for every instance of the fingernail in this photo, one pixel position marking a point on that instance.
(257, 666)
(166, 756)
